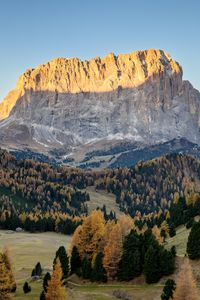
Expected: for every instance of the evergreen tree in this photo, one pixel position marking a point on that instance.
(38, 269)
(26, 288)
(46, 279)
(33, 273)
(193, 244)
(98, 272)
(173, 251)
(190, 223)
(151, 265)
(75, 261)
(176, 212)
(172, 230)
(168, 289)
(64, 260)
(86, 268)
(163, 234)
(42, 296)
(166, 261)
(131, 262)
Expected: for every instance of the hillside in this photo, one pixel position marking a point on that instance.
(160, 194)
(164, 188)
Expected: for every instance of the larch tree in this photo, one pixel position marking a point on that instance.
(185, 284)
(55, 289)
(89, 237)
(4, 296)
(126, 223)
(113, 251)
(4, 277)
(9, 267)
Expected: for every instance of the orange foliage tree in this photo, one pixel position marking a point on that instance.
(113, 251)
(55, 289)
(89, 237)
(185, 284)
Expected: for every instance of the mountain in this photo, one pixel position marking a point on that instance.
(68, 108)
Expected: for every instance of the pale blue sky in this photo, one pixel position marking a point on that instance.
(34, 32)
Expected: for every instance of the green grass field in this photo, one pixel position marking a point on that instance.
(100, 198)
(29, 248)
(179, 240)
(26, 250)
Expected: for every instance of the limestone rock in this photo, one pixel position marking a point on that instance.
(68, 103)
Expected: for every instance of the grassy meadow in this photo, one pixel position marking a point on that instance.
(26, 250)
(29, 248)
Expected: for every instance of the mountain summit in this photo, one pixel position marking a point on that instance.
(69, 106)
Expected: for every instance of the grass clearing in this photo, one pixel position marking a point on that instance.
(105, 292)
(179, 240)
(29, 248)
(100, 198)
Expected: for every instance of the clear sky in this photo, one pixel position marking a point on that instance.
(34, 32)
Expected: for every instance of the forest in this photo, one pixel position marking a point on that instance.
(154, 197)
(43, 197)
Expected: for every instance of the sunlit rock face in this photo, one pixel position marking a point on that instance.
(69, 103)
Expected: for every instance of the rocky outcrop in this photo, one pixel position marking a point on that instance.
(68, 103)
(98, 75)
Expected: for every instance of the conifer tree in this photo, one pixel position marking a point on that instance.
(33, 273)
(172, 230)
(46, 279)
(113, 251)
(98, 272)
(193, 244)
(86, 268)
(185, 284)
(89, 237)
(4, 277)
(26, 288)
(166, 261)
(5, 296)
(168, 289)
(151, 265)
(9, 267)
(38, 269)
(131, 262)
(55, 289)
(42, 295)
(173, 250)
(64, 260)
(75, 261)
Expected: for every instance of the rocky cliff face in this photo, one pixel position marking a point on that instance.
(69, 104)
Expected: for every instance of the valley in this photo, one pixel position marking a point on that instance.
(23, 247)
(99, 150)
